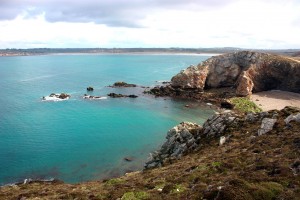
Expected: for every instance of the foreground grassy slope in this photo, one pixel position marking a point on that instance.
(247, 166)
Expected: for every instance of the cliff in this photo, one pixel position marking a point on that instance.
(246, 71)
(233, 156)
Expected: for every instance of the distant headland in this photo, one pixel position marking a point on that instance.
(172, 50)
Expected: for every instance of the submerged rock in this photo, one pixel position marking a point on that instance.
(114, 95)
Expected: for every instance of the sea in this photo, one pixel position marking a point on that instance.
(83, 139)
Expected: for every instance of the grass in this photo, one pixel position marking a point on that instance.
(135, 196)
(243, 169)
(244, 104)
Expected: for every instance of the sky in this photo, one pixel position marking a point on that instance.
(255, 24)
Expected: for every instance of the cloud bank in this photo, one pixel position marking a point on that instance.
(115, 13)
(150, 23)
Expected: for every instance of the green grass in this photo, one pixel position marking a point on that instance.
(114, 181)
(244, 104)
(135, 195)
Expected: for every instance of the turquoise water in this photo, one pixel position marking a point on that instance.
(78, 140)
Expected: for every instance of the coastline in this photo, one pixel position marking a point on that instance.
(119, 53)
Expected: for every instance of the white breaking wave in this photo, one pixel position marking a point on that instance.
(54, 98)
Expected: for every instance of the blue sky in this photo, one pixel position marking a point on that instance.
(151, 23)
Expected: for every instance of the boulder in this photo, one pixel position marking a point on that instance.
(90, 88)
(217, 124)
(292, 117)
(266, 126)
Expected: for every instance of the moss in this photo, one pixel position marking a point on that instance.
(178, 188)
(244, 104)
(114, 181)
(135, 195)
(216, 164)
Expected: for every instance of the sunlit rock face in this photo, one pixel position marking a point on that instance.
(246, 71)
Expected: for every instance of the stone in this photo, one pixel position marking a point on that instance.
(266, 126)
(292, 117)
(222, 140)
(90, 88)
(217, 124)
(192, 77)
(123, 84)
(128, 159)
(244, 85)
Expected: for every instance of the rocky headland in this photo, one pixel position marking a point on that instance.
(243, 72)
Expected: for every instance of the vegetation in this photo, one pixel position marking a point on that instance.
(244, 104)
(246, 167)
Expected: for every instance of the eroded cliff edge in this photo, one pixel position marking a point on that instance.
(246, 71)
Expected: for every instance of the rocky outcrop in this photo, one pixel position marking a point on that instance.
(192, 77)
(246, 71)
(114, 95)
(187, 137)
(180, 140)
(123, 84)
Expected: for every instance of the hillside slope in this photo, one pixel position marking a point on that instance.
(250, 165)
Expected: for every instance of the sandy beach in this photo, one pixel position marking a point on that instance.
(276, 99)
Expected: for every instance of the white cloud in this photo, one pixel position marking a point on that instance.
(248, 24)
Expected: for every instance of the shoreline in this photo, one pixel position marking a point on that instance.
(112, 53)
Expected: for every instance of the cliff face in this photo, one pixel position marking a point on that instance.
(246, 71)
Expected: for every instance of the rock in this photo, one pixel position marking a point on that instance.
(247, 71)
(222, 140)
(128, 159)
(266, 126)
(217, 124)
(63, 96)
(90, 88)
(244, 85)
(180, 140)
(123, 84)
(114, 95)
(296, 167)
(292, 117)
(192, 77)
(132, 96)
(227, 104)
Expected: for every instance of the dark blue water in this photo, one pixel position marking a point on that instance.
(78, 140)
